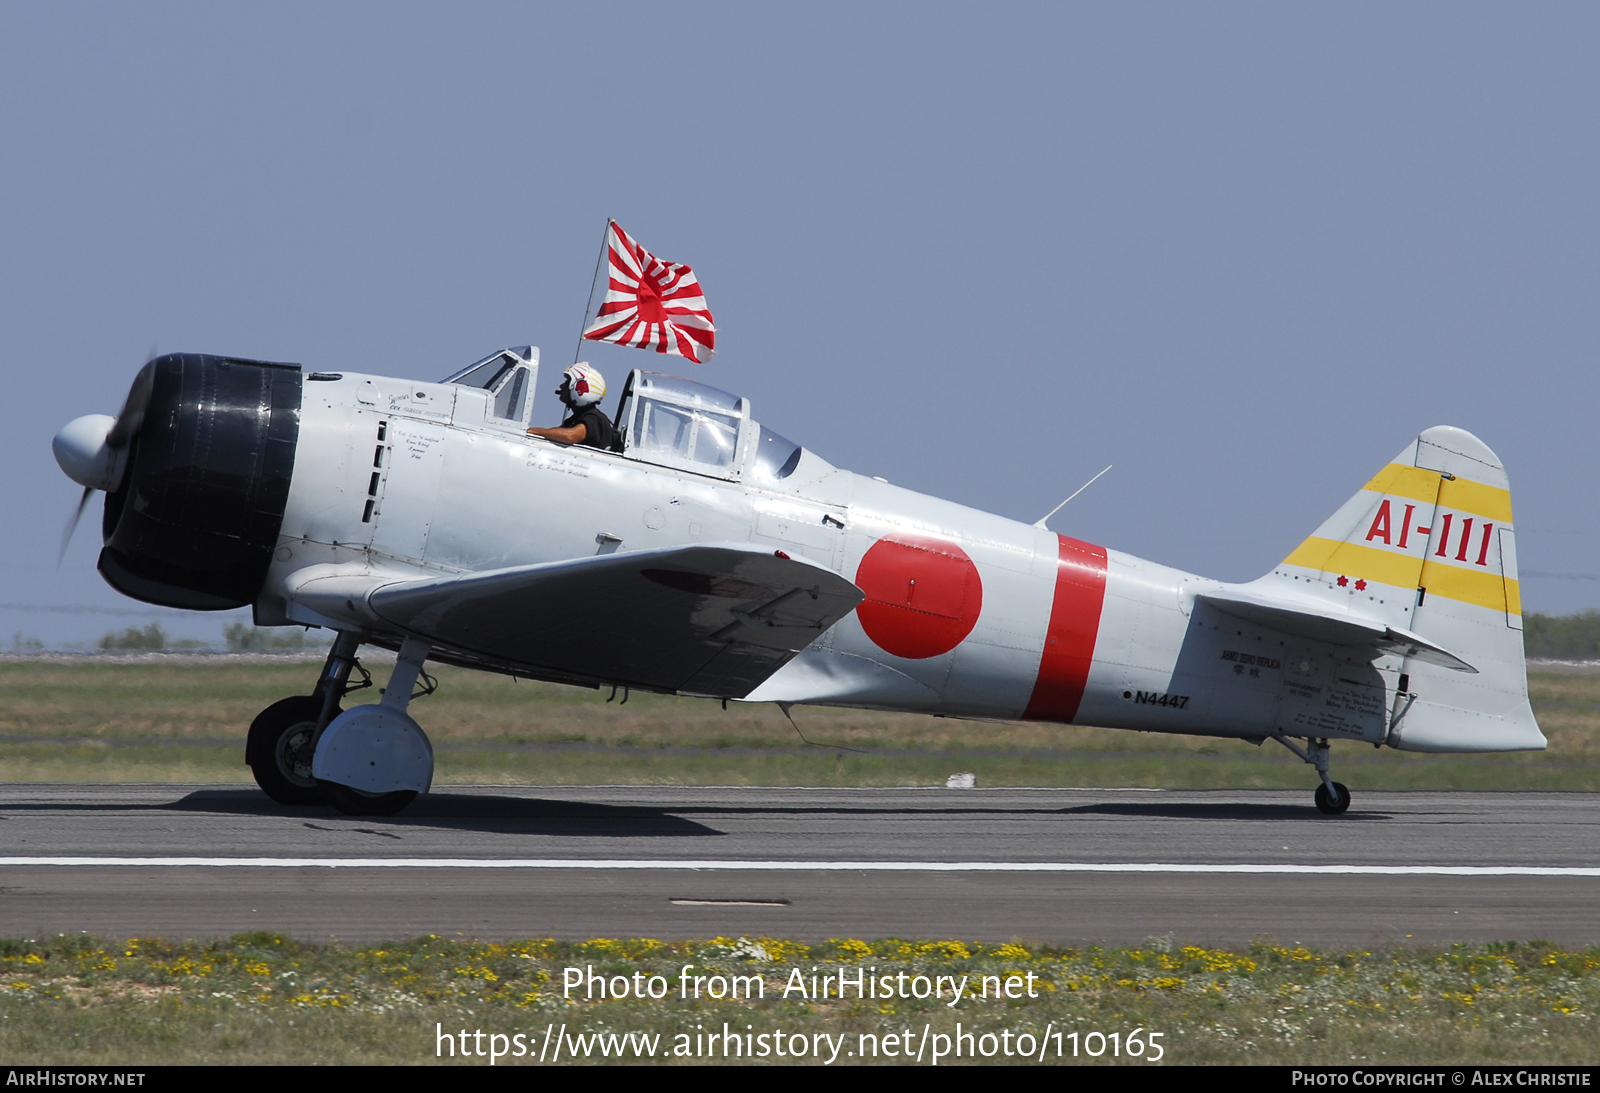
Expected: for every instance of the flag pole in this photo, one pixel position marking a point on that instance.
(589, 305)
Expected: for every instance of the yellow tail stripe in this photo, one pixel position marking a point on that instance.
(1473, 586)
(1460, 494)
(1403, 481)
(1355, 560)
(1482, 587)
(1489, 502)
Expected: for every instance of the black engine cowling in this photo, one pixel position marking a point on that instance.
(195, 518)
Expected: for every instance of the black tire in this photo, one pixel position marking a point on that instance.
(279, 750)
(352, 802)
(1326, 803)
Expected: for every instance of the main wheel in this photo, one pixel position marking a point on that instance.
(1326, 802)
(352, 802)
(279, 750)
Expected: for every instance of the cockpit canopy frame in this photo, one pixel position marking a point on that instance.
(509, 377)
(678, 422)
(682, 423)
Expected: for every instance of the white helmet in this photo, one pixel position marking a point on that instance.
(588, 385)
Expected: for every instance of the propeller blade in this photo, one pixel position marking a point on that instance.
(72, 524)
(132, 415)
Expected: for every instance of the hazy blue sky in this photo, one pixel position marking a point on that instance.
(1244, 252)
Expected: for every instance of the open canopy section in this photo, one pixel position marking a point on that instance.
(683, 423)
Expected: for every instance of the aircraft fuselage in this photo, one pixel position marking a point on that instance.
(968, 614)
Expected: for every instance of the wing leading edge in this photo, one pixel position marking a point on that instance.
(706, 620)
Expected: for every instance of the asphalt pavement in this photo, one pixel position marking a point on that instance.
(1063, 866)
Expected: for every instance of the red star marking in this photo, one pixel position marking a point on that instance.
(1343, 581)
(1361, 586)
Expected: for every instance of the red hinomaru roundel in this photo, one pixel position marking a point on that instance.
(923, 596)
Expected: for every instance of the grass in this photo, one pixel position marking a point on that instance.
(260, 998)
(161, 721)
(1562, 637)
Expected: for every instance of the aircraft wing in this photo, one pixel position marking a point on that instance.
(1316, 623)
(708, 620)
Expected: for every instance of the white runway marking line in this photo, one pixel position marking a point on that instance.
(816, 866)
(687, 902)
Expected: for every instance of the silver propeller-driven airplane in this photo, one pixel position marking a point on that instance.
(710, 556)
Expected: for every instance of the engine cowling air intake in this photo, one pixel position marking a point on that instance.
(195, 517)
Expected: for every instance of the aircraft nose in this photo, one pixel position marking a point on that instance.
(81, 449)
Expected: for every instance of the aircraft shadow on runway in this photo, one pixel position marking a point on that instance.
(1221, 810)
(472, 812)
(1195, 811)
(541, 816)
(555, 817)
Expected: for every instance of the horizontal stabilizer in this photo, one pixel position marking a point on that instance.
(1315, 622)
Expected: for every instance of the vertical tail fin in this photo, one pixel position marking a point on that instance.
(1428, 545)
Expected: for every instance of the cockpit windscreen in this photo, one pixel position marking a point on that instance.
(486, 373)
(776, 457)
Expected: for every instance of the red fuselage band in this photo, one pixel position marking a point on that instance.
(1074, 626)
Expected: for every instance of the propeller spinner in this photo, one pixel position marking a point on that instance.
(93, 449)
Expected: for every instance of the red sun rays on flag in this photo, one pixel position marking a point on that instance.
(651, 303)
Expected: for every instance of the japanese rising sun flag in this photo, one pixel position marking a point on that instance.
(652, 304)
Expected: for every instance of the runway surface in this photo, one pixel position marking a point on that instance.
(1062, 866)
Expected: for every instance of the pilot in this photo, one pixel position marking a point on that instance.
(582, 388)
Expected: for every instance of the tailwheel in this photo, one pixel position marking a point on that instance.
(1332, 798)
(1335, 803)
(352, 802)
(279, 748)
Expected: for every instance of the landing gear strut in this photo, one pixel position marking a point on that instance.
(374, 760)
(283, 737)
(1332, 798)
